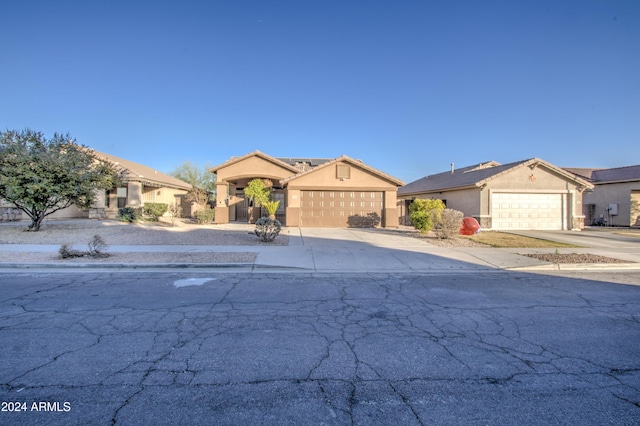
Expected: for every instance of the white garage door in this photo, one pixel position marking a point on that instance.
(526, 211)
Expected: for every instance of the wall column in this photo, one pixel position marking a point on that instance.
(390, 209)
(222, 208)
(134, 194)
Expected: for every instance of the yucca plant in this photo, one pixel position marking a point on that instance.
(271, 207)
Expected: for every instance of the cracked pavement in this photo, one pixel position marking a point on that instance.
(225, 348)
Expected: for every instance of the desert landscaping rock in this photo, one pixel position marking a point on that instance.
(573, 258)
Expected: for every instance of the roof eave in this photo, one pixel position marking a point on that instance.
(254, 154)
(439, 190)
(607, 182)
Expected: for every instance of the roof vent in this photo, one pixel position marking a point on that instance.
(452, 167)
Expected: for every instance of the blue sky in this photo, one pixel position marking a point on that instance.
(406, 86)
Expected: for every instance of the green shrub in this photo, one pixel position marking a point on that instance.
(267, 229)
(205, 216)
(129, 214)
(155, 210)
(423, 213)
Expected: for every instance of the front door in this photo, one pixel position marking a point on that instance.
(242, 206)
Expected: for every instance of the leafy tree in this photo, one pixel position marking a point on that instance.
(425, 213)
(257, 192)
(202, 181)
(41, 176)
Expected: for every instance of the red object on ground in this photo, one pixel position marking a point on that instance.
(470, 226)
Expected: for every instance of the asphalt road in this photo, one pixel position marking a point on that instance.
(366, 349)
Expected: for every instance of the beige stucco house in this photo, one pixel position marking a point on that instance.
(339, 192)
(615, 197)
(528, 194)
(141, 184)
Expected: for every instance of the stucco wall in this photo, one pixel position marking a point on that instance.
(620, 193)
(253, 167)
(465, 200)
(539, 179)
(162, 195)
(635, 208)
(326, 178)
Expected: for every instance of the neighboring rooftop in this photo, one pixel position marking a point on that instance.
(141, 173)
(456, 177)
(474, 175)
(599, 176)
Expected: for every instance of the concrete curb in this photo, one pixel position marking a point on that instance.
(143, 266)
(252, 266)
(578, 267)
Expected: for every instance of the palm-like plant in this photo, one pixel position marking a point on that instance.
(271, 207)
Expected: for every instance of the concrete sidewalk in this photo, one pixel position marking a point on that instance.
(345, 250)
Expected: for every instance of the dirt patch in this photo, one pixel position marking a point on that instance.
(573, 258)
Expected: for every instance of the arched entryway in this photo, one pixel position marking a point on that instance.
(234, 175)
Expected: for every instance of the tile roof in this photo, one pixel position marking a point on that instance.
(600, 176)
(629, 173)
(582, 172)
(141, 173)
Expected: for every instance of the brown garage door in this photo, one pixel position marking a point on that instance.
(337, 209)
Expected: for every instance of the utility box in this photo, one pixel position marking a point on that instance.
(613, 209)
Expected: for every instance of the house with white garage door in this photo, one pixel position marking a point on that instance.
(528, 194)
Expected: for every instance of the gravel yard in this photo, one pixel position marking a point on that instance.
(137, 257)
(79, 232)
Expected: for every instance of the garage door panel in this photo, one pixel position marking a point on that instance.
(526, 211)
(339, 208)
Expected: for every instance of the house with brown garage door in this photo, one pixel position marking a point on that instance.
(528, 194)
(615, 198)
(339, 192)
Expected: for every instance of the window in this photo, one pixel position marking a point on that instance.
(343, 171)
(122, 197)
